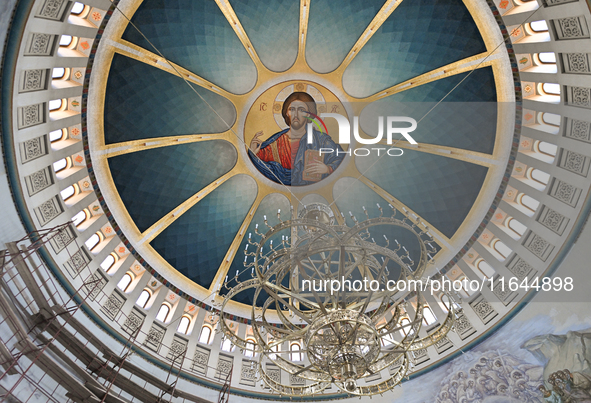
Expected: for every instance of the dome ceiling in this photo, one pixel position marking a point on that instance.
(170, 155)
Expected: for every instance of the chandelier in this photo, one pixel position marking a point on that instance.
(344, 335)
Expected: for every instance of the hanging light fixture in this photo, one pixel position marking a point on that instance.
(349, 331)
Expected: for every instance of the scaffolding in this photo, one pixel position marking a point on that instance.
(47, 354)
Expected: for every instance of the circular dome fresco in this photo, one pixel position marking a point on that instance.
(199, 114)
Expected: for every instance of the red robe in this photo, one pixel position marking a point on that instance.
(282, 150)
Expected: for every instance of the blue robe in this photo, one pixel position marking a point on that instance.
(293, 177)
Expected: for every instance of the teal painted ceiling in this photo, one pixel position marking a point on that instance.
(144, 102)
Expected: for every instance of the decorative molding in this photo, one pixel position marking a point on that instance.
(77, 262)
(94, 285)
(578, 130)
(538, 246)
(177, 349)
(501, 290)
(419, 356)
(463, 327)
(225, 364)
(53, 10)
(443, 344)
(552, 220)
(40, 44)
(39, 181)
(63, 238)
(576, 63)
(31, 115)
(295, 380)
(565, 192)
(48, 210)
(34, 80)
(273, 372)
(200, 360)
(520, 268)
(33, 148)
(574, 162)
(134, 321)
(113, 304)
(571, 28)
(550, 3)
(154, 338)
(578, 96)
(483, 309)
(248, 373)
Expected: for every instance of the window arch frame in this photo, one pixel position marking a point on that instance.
(62, 166)
(162, 306)
(209, 338)
(125, 288)
(531, 173)
(72, 191)
(186, 330)
(295, 354)
(144, 292)
(94, 244)
(520, 200)
(536, 30)
(494, 246)
(516, 231)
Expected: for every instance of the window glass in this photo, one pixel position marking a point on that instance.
(58, 72)
(92, 242)
(551, 88)
(529, 202)
(59, 165)
(387, 339)
(77, 8)
(404, 326)
(276, 348)
(65, 40)
(55, 135)
(143, 298)
(55, 104)
(295, 352)
(503, 249)
(551, 119)
(108, 262)
(547, 148)
(124, 282)
(516, 227)
(547, 57)
(485, 269)
(227, 345)
(428, 316)
(540, 176)
(68, 192)
(205, 335)
(539, 26)
(184, 325)
(79, 218)
(163, 313)
(249, 352)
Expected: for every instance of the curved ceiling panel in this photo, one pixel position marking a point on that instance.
(352, 195)
(195, 244)
(195, 35)
(268, 207)
(272, 27)
(143, 102)
(419, 36)
(466, 119)
(150, 191)
(442, 190)
(333, 29)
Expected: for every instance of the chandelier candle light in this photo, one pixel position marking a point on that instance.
(347, 334)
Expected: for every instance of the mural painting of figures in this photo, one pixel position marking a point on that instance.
(286, 157)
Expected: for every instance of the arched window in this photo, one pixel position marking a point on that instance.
(227, 345)
(58, 72)
(109, 262)
(68, 192)
(143, 299)
(79, 218)
(77, 8)
(65, 40)
(550, 119)
(546, 148)
(501, 248)
(539, 26)
(551, 88)
(184, 325)
(539, 176)
(60, 165)
(428, 316)
(516, 227)
(277, 349)
(93, 241)
(529, 202)
(295, 352)
(56, 135)
(205, 335)
(547, 57)
(249, 351)
(55, 105)
(486, 269)
(125, 281)
(163, 313)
